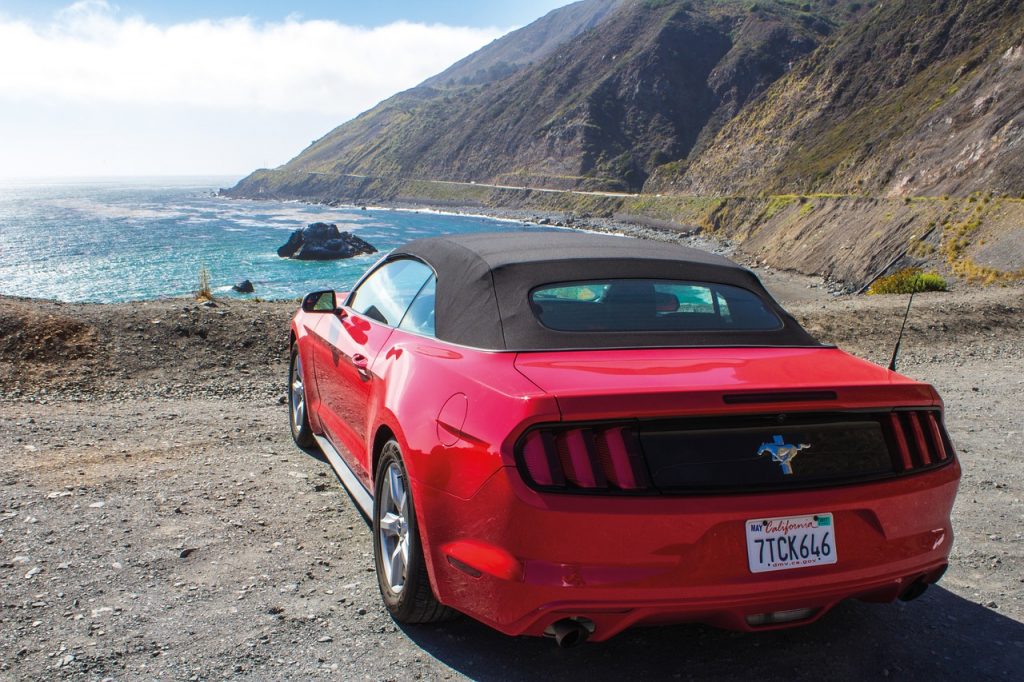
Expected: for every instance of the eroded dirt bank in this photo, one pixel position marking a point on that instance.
(157, 522)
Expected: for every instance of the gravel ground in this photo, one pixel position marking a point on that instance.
(156, 522)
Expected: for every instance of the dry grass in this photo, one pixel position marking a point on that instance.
(203, 292)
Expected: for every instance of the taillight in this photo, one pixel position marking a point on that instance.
(592, 458)
(920, 439)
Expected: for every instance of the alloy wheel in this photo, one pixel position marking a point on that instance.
(394, 528)
(298, 395)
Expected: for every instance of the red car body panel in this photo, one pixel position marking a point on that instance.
(518, 559)
(620, 561)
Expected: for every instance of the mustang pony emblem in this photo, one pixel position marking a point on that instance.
(782, 452)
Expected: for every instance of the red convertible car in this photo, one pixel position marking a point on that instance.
(568, 434)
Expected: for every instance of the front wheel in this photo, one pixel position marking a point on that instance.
(302, 434)
(397, 553)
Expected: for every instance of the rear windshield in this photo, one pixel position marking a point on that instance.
(618, 305)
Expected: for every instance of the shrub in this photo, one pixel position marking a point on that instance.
(908, 281)
(203, 292)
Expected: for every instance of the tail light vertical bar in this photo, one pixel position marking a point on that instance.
(589, 439)
(922, 443)
(940, 442)
(580, 460)
(541, 460)
(901, 440)
(624, 469)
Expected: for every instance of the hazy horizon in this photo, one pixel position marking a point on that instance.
(124, 178)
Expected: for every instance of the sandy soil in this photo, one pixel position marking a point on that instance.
(157, 522)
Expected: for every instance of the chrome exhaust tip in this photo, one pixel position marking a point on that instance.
(570, 632)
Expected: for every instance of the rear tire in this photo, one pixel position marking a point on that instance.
(397, 553)
(298, 415)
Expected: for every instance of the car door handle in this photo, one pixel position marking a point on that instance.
(361, 363)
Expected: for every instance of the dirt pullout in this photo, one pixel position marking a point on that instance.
(157, 522)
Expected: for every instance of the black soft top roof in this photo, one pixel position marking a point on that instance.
(484, 282)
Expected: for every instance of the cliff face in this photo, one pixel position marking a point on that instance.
(914, 99)
(597, 94)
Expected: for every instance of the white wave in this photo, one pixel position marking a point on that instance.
(116, 211)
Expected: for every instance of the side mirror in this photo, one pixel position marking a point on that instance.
(320, 302)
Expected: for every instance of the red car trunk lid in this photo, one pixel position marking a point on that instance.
(675, 382)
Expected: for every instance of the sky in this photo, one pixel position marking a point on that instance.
(143, 88)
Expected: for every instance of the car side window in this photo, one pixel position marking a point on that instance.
(385, 295)
(420, 316)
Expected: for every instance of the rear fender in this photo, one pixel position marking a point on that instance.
(454, 408)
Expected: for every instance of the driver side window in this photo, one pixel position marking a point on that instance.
(385, 295)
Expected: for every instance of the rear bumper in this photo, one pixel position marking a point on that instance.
(518, 560)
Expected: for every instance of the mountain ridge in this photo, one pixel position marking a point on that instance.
(524, 46)
(632, 84)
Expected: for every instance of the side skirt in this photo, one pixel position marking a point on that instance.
(352, 484)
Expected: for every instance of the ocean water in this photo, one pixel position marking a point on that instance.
(118, 240)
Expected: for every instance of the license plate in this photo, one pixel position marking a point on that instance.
(790, 542)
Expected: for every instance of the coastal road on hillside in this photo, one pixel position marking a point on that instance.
(592, 193)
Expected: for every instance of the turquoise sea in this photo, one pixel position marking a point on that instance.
(123, 240)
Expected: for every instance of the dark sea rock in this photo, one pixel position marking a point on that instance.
(244, 287)
(321, 241)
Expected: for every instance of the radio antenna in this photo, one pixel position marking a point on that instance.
(910, 301)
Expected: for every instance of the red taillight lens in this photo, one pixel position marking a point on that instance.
(937, 434)
(920, 439)
(543, 468)
(623, 463)
(576, 452)
(900, 437)
(591, 458)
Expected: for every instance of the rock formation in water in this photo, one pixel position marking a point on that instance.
(321, 241)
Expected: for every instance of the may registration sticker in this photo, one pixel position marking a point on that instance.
(791, 542)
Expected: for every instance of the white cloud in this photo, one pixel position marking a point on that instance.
(92, 54)
(94, 92)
